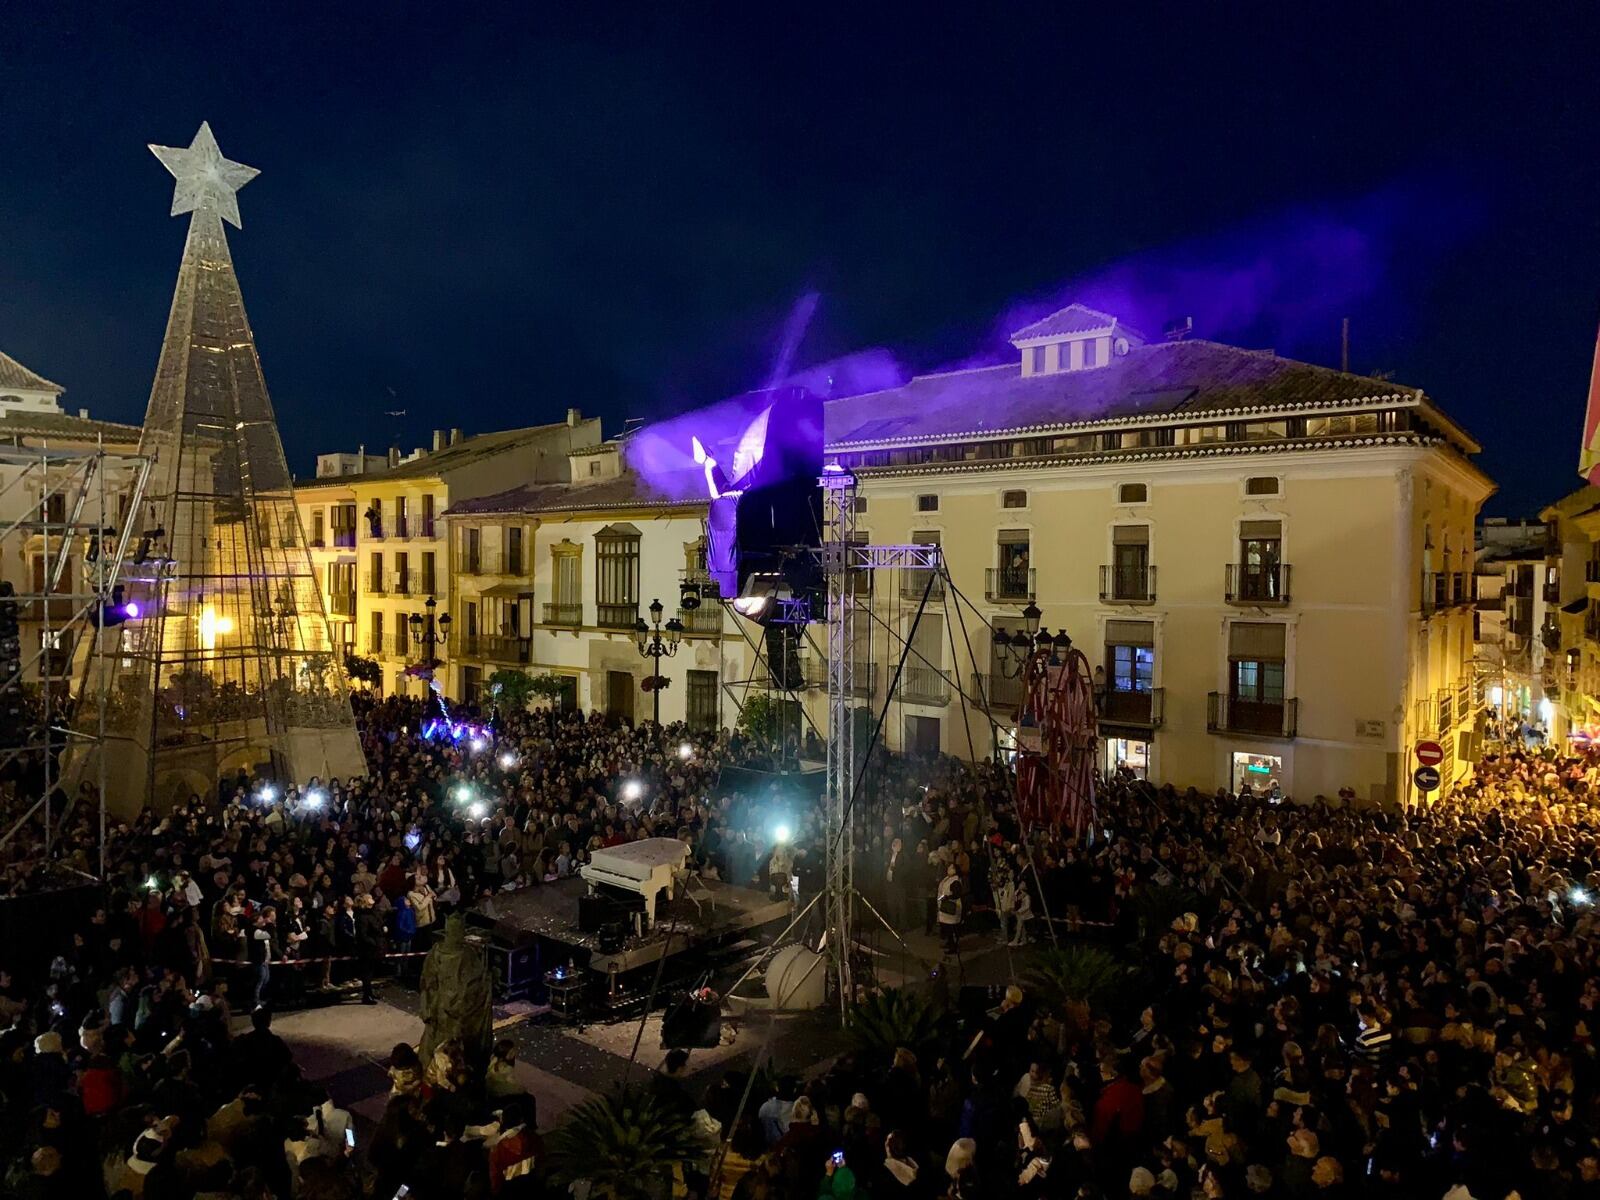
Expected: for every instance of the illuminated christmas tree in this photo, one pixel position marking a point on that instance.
(231, 665)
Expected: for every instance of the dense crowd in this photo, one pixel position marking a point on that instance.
(1312, 1001)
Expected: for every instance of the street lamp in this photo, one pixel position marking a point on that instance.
(430, 633)
(654, 647)
(1029, 646)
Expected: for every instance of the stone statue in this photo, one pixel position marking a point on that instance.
(456, 992)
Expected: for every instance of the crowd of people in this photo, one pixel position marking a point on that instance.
(1333, 1002)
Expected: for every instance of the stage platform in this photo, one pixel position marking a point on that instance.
(549, 912)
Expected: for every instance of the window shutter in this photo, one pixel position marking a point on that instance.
(1130, 535)
(1260, 529)
(1252, 642)
(1130, 633)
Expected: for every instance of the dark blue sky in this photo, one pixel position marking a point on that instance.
(497, 211)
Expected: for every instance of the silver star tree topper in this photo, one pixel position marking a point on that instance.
(206, 180)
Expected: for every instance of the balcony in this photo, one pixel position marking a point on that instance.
(1262, 718)
(402, 528)
(912, 584)
(705, 621)
(617, 616)
(509, 649)
(375, 645)
(567, 616)
(1489, 603)
(1127, 585)
(1436, 591)
(1460, 589)
(428, 529)
(342, 604)
(344, 539)
(1001, 692)
(317, 543)
(375, 584)
(1146, 709)
(1552, 592)
(402, 585)
(924, 685)
(864, 680)
(1257, 585)
(1009, 585)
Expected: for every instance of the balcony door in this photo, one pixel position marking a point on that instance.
(1130, 562)
(1015, 559)
(1256, 676)
(1261, 560)
(1130, 670)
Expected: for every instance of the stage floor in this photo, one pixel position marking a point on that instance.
(550, 911)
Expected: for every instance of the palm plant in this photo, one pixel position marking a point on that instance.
(1077, 977)
(1156, 906)
(894, 1017)
(625, 1144)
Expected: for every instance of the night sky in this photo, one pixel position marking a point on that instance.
(482, 214)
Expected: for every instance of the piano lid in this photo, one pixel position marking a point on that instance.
(640, 860)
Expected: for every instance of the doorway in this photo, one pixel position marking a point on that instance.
(619, 695)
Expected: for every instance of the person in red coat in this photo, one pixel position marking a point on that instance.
(100, 1087)
(1117, 1120)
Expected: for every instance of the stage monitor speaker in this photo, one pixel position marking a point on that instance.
(612, 936)
(515, 969)
(692, 1025)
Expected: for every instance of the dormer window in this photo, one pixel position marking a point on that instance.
(1074, 338)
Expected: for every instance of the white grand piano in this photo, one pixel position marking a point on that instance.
(645, 868)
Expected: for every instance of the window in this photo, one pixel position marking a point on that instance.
(53, 509)
(428, 578)
(375, 638)
(401, 635)
(927, 503)
(402, 515)
(316, 527)
(1091, 351)
(1130, 562)
(1256, 674)
(1266, 431)
(374, 515)
(1132, 493)
(1133, 668)
(1261, 485)
(567, 562)
(701, 691)
(861, 505)
(472, 551)
(1014, 578)
(471, 684)
(1260, 560)
(344, 525)
(1014, 499)
(1200, 435)
(427, 516)
(594, 468)
(375, 572)
(1036, 360)
(514, 550)
(402, 574)
(617, 565)
(1346, 423)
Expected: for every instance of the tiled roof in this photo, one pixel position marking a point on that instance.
(1159, 380)
(1074, 318)
(14, 375)
(466, 451)
(17, 422)
(625, 491)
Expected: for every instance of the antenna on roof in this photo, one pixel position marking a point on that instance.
(1178, 329)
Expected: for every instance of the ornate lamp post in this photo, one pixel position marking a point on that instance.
(430, 633)
(655, 647)
(1031, 646)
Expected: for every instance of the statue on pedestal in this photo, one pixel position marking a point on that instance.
(456, 993)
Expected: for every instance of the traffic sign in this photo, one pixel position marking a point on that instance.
(1430, 754)
(1426, 779)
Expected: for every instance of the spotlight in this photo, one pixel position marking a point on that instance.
(476, 809)
(632, 790)
(689, 597)
(750, 606)
(782, 834)
(507, 761)
(686, 751)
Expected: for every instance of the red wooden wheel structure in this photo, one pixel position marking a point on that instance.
(1057, 739)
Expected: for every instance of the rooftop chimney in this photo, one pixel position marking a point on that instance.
(83, 413)
(1178, 329)
(574, 415)
(394, 456)
(455, 436)
(438, 440)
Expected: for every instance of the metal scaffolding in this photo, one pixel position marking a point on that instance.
(71, 541)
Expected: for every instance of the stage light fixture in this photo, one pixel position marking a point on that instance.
(751, 606)
(689, 597)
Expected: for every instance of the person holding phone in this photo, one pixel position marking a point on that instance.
(838, 1180)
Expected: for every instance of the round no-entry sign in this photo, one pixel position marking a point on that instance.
(1430, 754)
(1426, 779)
